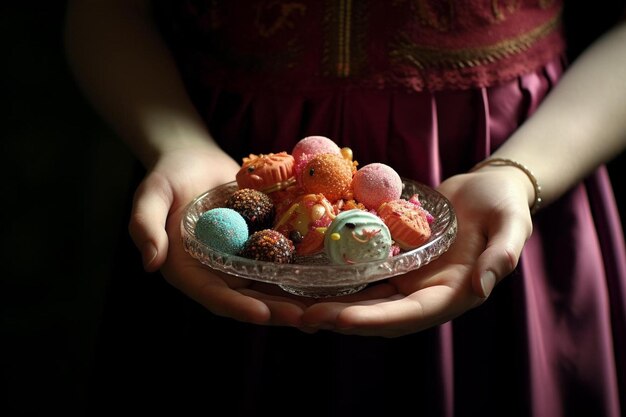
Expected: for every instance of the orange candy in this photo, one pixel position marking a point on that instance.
(407, 223)
(266, 172)
(328, 174)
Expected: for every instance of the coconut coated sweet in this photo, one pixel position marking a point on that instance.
(222, 229)
(375, 184)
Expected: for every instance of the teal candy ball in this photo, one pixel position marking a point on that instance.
(356, 236)
(222, 229)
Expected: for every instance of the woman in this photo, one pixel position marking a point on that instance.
(468, 97)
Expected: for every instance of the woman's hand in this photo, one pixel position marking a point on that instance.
(493, 225)
(175, 179)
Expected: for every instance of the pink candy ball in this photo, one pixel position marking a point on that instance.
(375, 184)
(310, 146)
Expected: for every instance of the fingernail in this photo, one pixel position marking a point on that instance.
(148, 253)
(487, 282)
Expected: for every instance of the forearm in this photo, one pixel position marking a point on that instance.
(581, 124)
(128, 73)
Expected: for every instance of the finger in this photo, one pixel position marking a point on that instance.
(332, 314)
(252, 306)
(396, 315)
(320, 318)
(216, 291)
(232, 297)
(218, 298)
(506, 239)
(151, 204)
(285, 309)
(403, 315)
(387, 317)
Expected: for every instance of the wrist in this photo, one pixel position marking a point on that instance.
(532, 185)
(158, 149)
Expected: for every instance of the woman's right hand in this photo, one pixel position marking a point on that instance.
(173, 181)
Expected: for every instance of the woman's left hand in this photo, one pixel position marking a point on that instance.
(494, 223)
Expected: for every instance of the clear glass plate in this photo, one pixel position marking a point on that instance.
(315, 276)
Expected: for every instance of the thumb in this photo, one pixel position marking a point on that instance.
(505, 242)
(151, 204)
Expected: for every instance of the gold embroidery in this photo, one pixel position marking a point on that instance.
(279, 16)
(423, 57)
(343, 49)
(496, 8)
(344, 23)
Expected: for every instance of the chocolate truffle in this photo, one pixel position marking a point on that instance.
(256, 207)
(269, 245)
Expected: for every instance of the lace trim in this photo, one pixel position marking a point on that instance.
(425, 57)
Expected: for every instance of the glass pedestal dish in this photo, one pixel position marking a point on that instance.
(315, 276)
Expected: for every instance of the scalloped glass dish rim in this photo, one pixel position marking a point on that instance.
(318, 272)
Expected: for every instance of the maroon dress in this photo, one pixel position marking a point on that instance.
(429, 88)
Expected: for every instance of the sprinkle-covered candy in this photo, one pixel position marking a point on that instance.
(269, 245)
(256, 207)
(222, 229)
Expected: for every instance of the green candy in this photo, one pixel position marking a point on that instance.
(357, 236)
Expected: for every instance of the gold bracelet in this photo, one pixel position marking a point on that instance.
(500, 162)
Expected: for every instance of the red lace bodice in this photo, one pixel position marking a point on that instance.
(308, 45)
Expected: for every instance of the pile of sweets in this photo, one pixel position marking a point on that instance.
(311, 201)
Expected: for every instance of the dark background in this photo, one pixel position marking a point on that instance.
(64, 183)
